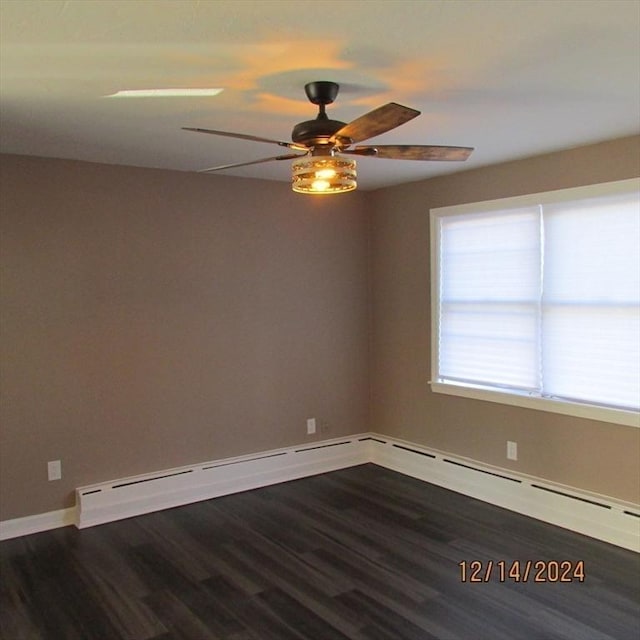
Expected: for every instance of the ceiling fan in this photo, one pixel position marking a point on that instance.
(323, 164)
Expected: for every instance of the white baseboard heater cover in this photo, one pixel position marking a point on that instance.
(128, 497)
(591, 514)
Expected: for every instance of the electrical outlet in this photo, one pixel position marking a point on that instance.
(54, 470)
(311, 426)
(324, 428)
(512, 450)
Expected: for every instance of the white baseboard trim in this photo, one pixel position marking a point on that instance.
(587, 513)
(37, 523)
(591, 514)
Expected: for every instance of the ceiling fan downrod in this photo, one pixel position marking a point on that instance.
(318, 132)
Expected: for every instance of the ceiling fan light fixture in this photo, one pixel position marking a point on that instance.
(323, 170)
(323, 175)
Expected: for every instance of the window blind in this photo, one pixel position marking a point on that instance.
(490, 295)
(591, 301)
(543, 299)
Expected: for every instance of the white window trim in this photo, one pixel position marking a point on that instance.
(565, 407)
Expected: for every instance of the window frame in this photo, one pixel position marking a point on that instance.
(511, 397)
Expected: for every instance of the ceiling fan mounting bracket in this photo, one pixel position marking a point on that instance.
(321, 92)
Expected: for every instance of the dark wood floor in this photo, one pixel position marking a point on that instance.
(362, 553)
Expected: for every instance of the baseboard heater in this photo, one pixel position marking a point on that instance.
(100, 503)
(594, 515)
(588, 513)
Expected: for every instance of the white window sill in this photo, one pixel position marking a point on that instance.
(591, 412)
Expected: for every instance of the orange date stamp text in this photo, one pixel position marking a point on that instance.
(536, 571)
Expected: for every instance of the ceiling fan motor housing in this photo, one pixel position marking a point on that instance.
(317, 132)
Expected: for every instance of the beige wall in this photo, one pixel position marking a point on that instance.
(153, 319)
(592, 455)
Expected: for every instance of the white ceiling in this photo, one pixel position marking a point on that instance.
(512, 78)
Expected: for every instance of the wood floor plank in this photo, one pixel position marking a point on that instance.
(359, 554)
(53, 588)
(299, 617)
(378, 619)
(250, 612)
(178, 618)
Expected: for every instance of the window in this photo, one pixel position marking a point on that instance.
(536, 301)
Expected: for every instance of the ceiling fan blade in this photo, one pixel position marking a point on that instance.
(375, 122)
(413, 152)
(244, 136)
(289, 156)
